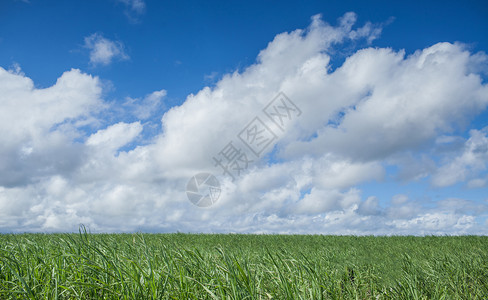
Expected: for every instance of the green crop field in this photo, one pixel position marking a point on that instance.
(228, 266)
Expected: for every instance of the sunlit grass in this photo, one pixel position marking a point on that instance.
(190, 266)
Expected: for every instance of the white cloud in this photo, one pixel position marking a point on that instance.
(37, 126)
(392, 103)
(379, 108)
(469, 163)
(144, 108)
(321, 201)
(115, 136)
(477, 183)
(103, 51)
(436, 223)
(133, 9)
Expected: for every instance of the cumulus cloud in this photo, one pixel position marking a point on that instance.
(38, 125)
(103, 51)
(394, 103)
(115, 136)
(466, 165)
(144, 108)
(378, 109)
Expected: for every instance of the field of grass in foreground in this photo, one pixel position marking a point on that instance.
(190, 266)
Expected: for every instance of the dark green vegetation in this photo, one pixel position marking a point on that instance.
(187, 266)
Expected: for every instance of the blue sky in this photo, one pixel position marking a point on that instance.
(176, 44)
(110, 106)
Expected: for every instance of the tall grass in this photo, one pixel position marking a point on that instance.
(190, 266)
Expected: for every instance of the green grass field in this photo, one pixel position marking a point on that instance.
(190, 266)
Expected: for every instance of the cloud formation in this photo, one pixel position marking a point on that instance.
(468, 164)
(103, 51)
(133, 9)
(143, 108)
(38, 126)
(381, 108)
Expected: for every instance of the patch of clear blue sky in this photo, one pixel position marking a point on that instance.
(176, 43)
